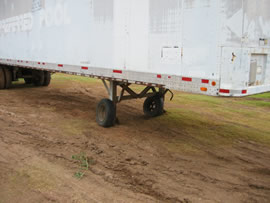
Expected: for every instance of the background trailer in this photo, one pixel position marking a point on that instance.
(212, 47)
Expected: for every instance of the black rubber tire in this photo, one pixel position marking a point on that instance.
(47, 78)
(28, 81)
(2, 79)
(153, 106)
(106, 113)
(38, 78)
(8, 77)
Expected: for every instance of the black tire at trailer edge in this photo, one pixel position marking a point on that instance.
(38, 77)
(159, 103)
(47, 78)
(109, 113)
(28, 81)
(2, 79)
(8, 77)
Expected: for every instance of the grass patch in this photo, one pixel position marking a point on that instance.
(34, 177)
(73, 127)
(215, 121)
(20, 81)
(203, 100)
(261, 96)
(60, 77)
(256, 103)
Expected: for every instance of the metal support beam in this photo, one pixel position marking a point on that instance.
(106, 86)
(112, 92)
(134, 95)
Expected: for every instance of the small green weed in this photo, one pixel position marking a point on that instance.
(79, 174)
(84, 163)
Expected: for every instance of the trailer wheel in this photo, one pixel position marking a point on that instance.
(28, 81)
(47, 78)
(153, 106)
(2, 79)
(38, 78)
(105, 113)
(8, 77)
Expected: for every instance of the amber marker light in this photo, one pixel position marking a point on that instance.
(203, 89)
(214, 83)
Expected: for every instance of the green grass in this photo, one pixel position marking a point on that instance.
(217, 121)
(33, 177)
(70, 78)
(20, 81)
(257, 103)
(73, 126)
(261, 96)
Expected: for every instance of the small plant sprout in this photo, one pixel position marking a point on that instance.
(83, 164)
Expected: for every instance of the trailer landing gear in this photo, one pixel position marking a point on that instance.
(106, 113)
(106, 108)
(153, 106)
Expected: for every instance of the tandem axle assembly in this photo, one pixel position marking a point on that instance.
(106, 108)
(30, 76)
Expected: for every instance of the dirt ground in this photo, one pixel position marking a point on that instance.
(195, 154)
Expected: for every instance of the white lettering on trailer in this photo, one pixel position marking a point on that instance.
(19, 23)
(36, 5)
(55, 16)
(51, 16)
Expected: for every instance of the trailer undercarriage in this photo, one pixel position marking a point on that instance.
(107, 107)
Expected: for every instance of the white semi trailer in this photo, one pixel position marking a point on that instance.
(212, 47)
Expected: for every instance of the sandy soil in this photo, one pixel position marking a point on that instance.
(42, 128)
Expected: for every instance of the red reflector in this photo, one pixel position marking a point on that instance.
(60, 65)
(159, 76)
(117, 71)
(43, 63)
(38, 62)
(84, 68)
(169, 77)
(187, 79)
(205, 81)
(244, 91)
(224, 91)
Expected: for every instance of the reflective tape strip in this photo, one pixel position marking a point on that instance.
(117, 71)
(205, 81)
(187, 79)
(224, 91)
